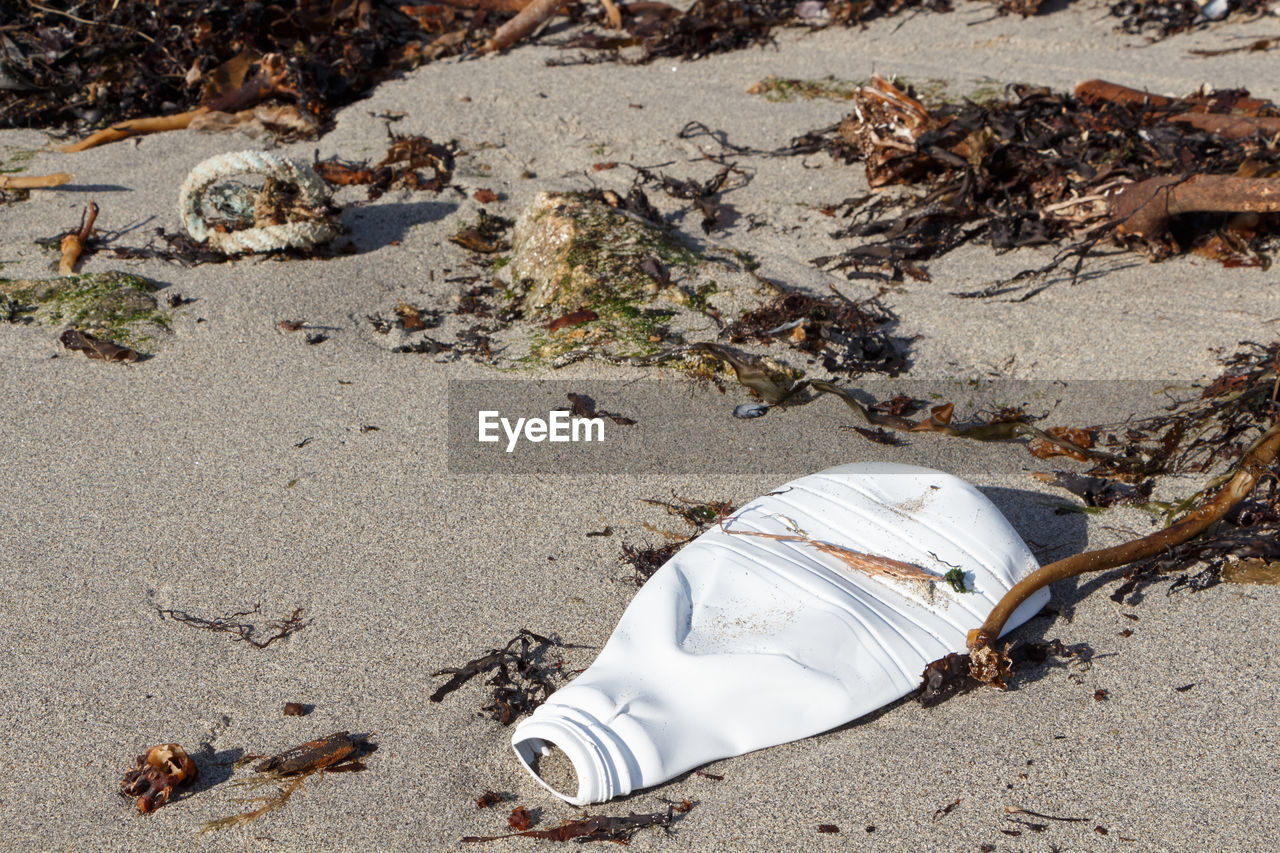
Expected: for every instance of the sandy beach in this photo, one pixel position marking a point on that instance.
(241, 466)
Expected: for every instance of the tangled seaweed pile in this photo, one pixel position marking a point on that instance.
(1201, 435)
(1042, 166)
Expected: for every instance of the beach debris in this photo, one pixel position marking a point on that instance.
(340, 752)
(585, 407)
(398, 168)
(1018, 810)
(78, 341)
(1255, 46)
(1119, 157)
(1100, 492)
(877, 534)
(595, 827)
(573, 318)
(488, 236)
(270, 79)
(520, 819)
(31, 182)
(846, 336)
(700, 515)
(947, 809)
(828, 829)
(290, 209)
(991, 664)
(645, 561)
(247, 632)
(123, 61)
(106, 306)
(574, 253)
(73, 243)
(490, 798)
(411, 318)
(296, 709)
(870, 564)
(160, 771)
(1159, 19)
(1005, 425)
(528, 19)
(949, 676)
(522, 677)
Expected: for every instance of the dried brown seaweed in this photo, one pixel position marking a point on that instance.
(78, 341)
(522, 677)
(596, 827)
(287, 771)
(399, 167)
(846, 336)
(991, 664)
(1042, 167)
(244, 631)
(109, 62)
(699, 515)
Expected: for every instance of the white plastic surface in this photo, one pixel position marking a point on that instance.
(741, 642)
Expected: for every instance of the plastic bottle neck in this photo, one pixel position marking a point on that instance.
(604, 765)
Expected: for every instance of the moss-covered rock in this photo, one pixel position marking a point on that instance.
(642, 288)
(115, 306)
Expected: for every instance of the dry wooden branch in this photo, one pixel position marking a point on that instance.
(991, 665)
(270, 80)
(530, 18)
(1093, 91)
(31, 182)
(1144, 208)
(1229, 127)
(73, 244)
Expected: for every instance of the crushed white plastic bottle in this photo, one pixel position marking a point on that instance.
(741, 642)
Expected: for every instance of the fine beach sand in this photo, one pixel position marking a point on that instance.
(177, 483)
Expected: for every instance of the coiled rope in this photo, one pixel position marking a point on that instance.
(308, 226)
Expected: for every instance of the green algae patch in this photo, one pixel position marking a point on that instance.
(630, 288)
(114, 306)
(773, 88)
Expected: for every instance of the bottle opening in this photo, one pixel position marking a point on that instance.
(551, 766)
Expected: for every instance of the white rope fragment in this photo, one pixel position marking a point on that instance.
(310, 228)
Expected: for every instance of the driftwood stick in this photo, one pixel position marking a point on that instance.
(991, 665)
(1229, 127)
(31, 182)
(1093, 91)
(530, 18)
(1144, 208)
